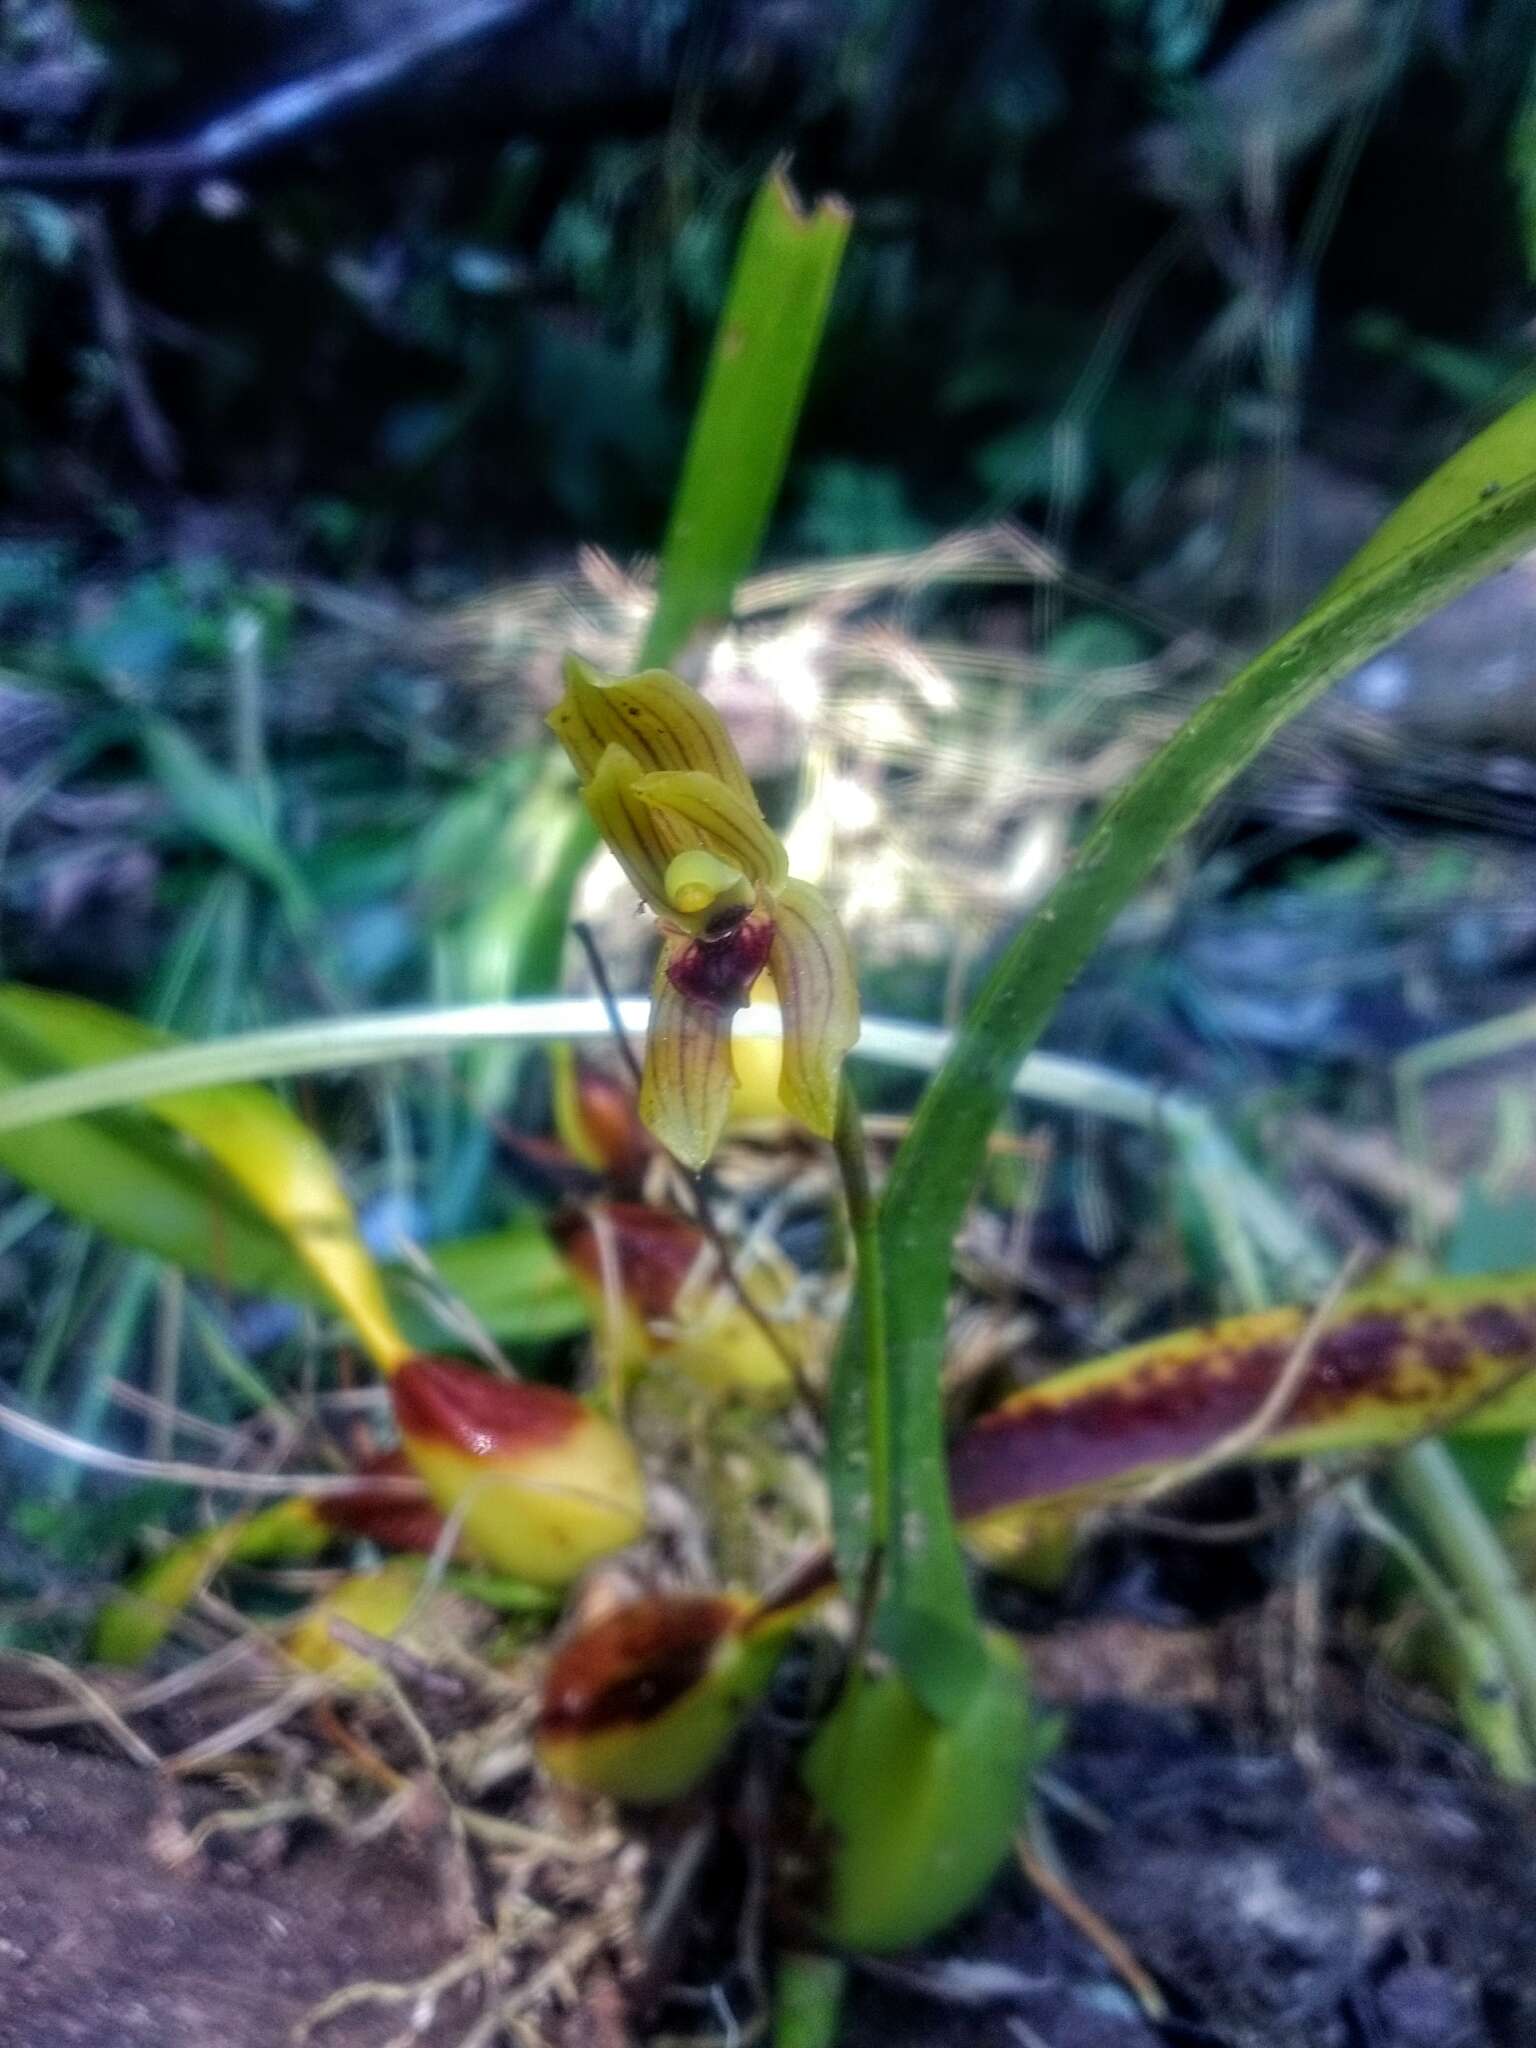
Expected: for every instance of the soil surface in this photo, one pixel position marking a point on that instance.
(104, 1943)
(1333, 1907)
(1277, 1908)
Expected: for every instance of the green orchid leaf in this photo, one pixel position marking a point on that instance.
(1389, 1365)
(277, 1163)
(140, 1183)
(1469, 483)
(1474, 516)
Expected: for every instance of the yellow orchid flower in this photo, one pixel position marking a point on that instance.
(667, 791)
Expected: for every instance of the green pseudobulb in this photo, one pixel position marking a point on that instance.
(919, 1813)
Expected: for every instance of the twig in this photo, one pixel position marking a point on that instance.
(177, 1421)
(1038, 1860)
(300, 1693)
(424, 1991)
(96, 1706)
(284, 113)
(1314, 1554)
(148, 427)
(313, 1485)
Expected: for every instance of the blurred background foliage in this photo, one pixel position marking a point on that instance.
(347, 350)
(463, 316)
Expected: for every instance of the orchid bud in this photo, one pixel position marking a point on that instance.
(597, 1119)
(915, 1814)
(541, 1482)
(134, 1622)
(381, 1515)
(631, 1263)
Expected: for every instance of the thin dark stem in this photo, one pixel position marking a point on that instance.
(584, 936)
(698, 1187)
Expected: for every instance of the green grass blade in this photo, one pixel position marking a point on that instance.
(1473, 517)
(220, 808)
(765, 345)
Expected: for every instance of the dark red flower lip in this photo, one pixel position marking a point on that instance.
(462, 1408)
(718, 970)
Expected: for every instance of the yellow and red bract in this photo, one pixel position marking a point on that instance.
(598, 1120)
(1391, 1364)
(542, 1483)
(383, 1516)
(658, 1296)
(642, 1703)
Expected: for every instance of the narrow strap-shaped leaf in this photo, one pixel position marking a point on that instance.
(766, 342)
(141, 1185)
(275, 1160)
(1389, 1365)
(1476, 515)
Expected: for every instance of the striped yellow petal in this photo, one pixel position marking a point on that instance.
(725, 823)
(629, 826)
(685, 1090)
(573, 729)
(655, 716)
(813, 972)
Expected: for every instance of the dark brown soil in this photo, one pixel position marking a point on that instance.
(104, 1945)
(1345, 1907)
(1366, 1908)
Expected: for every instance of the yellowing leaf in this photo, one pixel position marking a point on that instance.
(1390, 1365)
(276, 1161)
